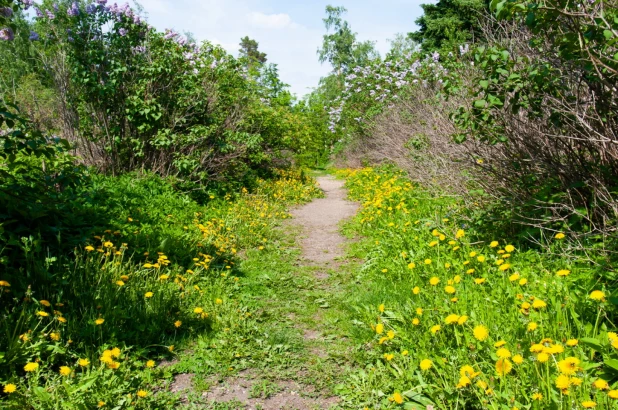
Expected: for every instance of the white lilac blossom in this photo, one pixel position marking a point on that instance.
(7, 34)
(464, 49)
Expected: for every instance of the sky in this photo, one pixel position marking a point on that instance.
(288, 31)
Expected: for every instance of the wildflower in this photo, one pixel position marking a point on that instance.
(576, 381)
(572, 342)
(559, 235)
(419, 311)
(379, 328)
(523, 281)
(42, 313)
(460, 234)
(457, 279)
(499, 344)
(124, 278)
(83, 362)
(411, 265)
(381, 308)
(462, 319)
(538, 304)
(480, 333)
(532, 326)
(171, 348)
(479, 281)
(503, 353)
(470, 271)
(150, 364)
(390, 334)
(99, 321)
(55, 336)
(177, 323)
(142, 393)
(480, 258)
(518, 359)
(397, 398)
(416, 290)
(416, 321)
(468, 371)
(563, 382)
(427, 261)
(449, 289)
(612, 394)
(4, 283)
(435, 329)
(388, 356)
(493, 244)
(568, 366)
(198, 310)
(64, 370)
(503, 367)
(148, 294)
(472, 254)
(433, 243)
(108, 244)
(542, 357)
(113, 365)
(11, 388)
(31, 367)
(451, 319)
(537, 396)
(464, 381)
(89, 248)
(45, 303)
(426, 364)
(434, 281)
(588, 404)
(563, 272)
(509, 248)
(504, 267)
(600, 384)
(514, 277)
(597, 295)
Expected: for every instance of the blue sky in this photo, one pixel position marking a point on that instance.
(289, 31)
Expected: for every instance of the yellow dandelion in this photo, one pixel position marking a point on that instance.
(563, 272)
(31, 367)
(480, 332)
(11, 388)
(416, 290)
(426, 364)
(597, 295)
(83, 362)
(142, 393)
(150, 364)
(64, 370)
(503, 353)
(99, 321)
(559, 235)
(588, 404)
(148, 295)
(449, 289)
(435, 329)
(434, 281)
(518, 359)
(503, 367)
(379, 328)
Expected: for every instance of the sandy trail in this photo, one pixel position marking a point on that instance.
(322, 242)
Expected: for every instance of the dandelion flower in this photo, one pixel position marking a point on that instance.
(416, 321)
(569, 366)
(460, 234)
(434, 281)
(426, 364)
(381, 308)
(464, 381)
(509, 248)
(523, 281)
(462, 319)
(588, 404)
(563, 272)
(99, 321)
(31, 367)
(480, 333)
(142, 393)
(538, 304)
(45, 303)
(480, 258)
(503, 367)
(427, 261)
(419, 311)
(379, 328)
(559, 235)
(532, 326)
(450, 290)
(11, 388)
(542, 357)
(514, 277)
(597, 295)
(148, 294)
(83, 362)
(503, 353)
(150, 364)
(499, 344)
(572, 342)
(537, 397)
(479, 281)
(451, 319)
(612, 394)
(64, 370)
(4, 283)
(177, 323)
(397, 398)
(493, 244)
(389, 356)
(518, 359)
(42, 313)
(563, 382)
(198, 310)
(416, 290)
(390, 334)
(435, 329)
(600, 384)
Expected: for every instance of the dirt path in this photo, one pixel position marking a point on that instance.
(307, 309)
(322, 242)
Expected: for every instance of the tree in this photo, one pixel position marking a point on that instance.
(340, 47)
(402, 45)
(448, 23)
(249, 51)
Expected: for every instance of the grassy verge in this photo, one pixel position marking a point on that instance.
(445, 318)
(90, 329)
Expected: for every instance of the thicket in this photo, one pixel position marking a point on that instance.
(523, 120)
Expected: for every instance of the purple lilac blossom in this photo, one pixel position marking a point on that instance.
(38, 12)
(102, 2)
(50, 15)
(34, 36)
(91, 8)
(7, 34)
(6, 11)
(73, 10)
(27, 3)
(122, 32)
(55, 6)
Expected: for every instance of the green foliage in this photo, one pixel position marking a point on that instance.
(249, 51)
(449, 23)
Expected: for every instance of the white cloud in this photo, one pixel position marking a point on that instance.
(274, 21)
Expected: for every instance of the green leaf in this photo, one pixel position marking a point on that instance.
(608, 34)
(484, 84)
(592, 343)
(613, 363)
(480, 104)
